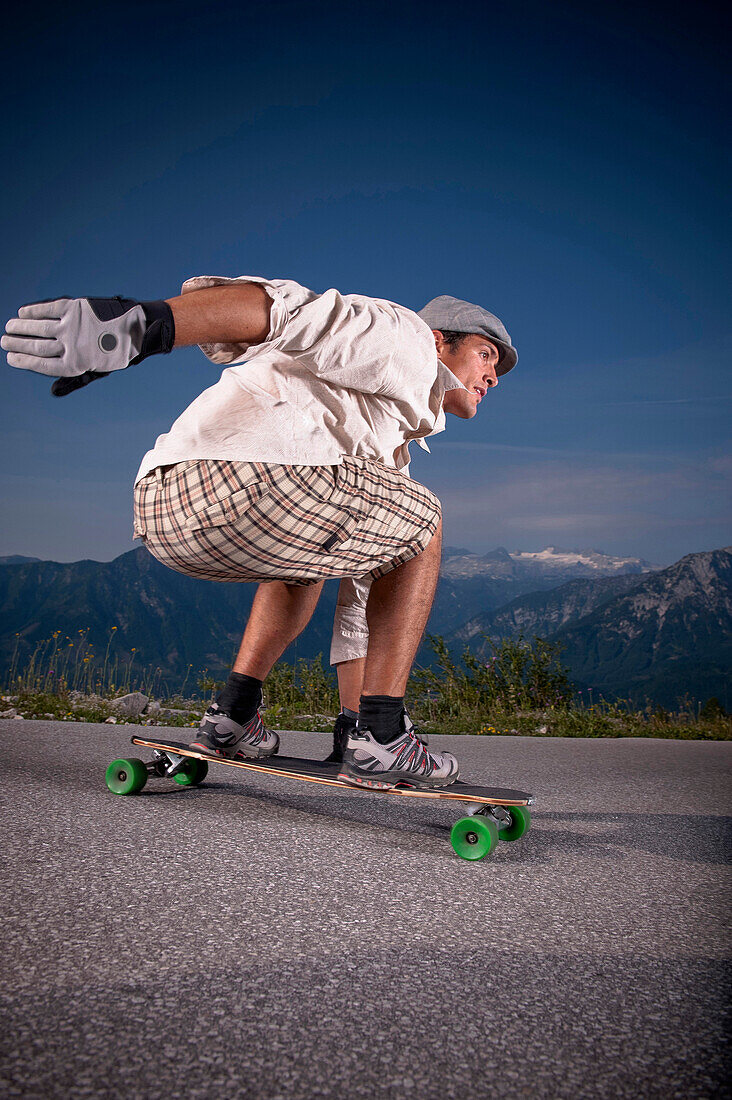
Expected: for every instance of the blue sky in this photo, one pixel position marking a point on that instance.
(563, 167)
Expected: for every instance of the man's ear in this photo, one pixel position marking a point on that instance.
(439, 340)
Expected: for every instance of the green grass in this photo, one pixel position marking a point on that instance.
(521, 689)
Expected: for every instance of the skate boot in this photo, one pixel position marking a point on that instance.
(406, 761)
(220, 735)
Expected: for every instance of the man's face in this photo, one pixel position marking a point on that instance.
(474, 362)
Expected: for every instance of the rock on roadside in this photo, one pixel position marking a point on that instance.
(131, 705)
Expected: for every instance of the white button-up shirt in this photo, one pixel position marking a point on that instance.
(339, 374)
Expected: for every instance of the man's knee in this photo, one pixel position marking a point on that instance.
(303, 598)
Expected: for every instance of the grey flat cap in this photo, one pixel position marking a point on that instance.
(453, 315)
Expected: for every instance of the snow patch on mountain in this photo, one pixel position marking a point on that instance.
(594, 561)
(550, 563)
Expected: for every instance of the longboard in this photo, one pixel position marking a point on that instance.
(494, 813)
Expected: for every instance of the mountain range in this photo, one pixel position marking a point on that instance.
(658, 636)
(627, 628)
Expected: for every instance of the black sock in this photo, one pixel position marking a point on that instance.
(352, 714)
(383, 716)
(241, 697)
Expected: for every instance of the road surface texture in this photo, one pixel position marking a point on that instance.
(263, 937)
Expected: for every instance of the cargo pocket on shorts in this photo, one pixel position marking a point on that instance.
(226, 512)
(342, 534)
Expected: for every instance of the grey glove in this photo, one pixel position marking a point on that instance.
(77, 340)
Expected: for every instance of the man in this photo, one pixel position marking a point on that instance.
(290, 470)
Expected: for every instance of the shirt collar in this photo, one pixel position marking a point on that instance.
(446, 380)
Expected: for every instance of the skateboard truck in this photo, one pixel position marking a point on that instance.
(499, 814)
(167, 764)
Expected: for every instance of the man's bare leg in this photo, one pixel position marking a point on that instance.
(397, 611)
(384, 751)
(398, 607)
(232, 726)
(350, 682)
(280, 613)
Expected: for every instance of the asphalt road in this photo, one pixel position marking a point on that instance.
(264, 937)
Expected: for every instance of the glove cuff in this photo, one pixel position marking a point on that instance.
(159, 336)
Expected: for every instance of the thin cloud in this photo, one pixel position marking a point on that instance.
(615, 506)
(663, 401)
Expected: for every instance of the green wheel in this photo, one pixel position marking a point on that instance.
(192, 773)
(126, 776)
(520, 822)
(473, 837)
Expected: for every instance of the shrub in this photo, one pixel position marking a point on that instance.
(520, 675)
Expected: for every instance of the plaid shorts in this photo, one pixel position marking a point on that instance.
(262, 521)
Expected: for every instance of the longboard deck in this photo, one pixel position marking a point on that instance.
(317, 771)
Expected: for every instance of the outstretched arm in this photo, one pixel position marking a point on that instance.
(77, 340)
(237, 313)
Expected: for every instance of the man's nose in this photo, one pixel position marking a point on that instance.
(491, 380)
